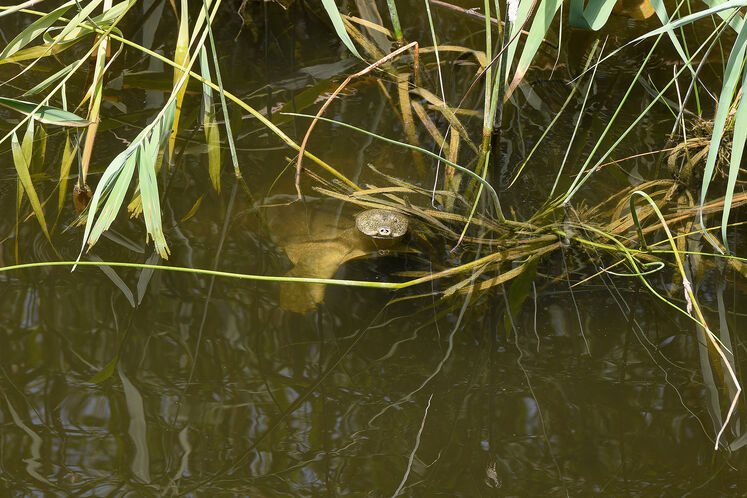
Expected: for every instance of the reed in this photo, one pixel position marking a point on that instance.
(468, 156)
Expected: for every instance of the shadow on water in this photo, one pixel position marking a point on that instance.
(169, 384)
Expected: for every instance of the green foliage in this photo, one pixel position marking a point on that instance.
(592, 16)
(45, 113)
(334, 16)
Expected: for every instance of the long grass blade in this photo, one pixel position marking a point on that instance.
(22, 160)
(78, 19)
(592, 16)
(36, 29)
(117, 190)
(334, 16)
(181, 58)
(224, 105)
(545, 13)
(45, 113)
(149, 193)
(68, 155)
(731, 76)
(737, 151)
(209, 124)
(95, 91)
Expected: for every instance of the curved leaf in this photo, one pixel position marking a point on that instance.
(45, 114)
(593, 16)
(334, 16)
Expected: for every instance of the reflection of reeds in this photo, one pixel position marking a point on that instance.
(514, 247)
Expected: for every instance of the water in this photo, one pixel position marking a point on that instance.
(208, 387)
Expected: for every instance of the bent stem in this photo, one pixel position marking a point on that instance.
(368, 69)
(692, 303)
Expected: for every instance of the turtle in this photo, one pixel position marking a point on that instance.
(318, 240)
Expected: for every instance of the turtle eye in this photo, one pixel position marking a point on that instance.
(385, 231)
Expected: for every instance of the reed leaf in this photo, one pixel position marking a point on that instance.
(39, 51)
(77, 20)
(96, 93)
(181, 58)
(116, 178)
(22, 161)
(524, 10)
(337, 23)
(661, 12)
(737, 151)
(45, 113)
(115, 187)
(35, 29)
(731, 76)
(150, 202)
(592, 16)
(224, 105)
(39, 149)
(68, 155)
(545, 13)
(45, 84)
(209, 124)
(734, 21)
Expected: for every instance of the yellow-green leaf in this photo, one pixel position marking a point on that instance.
(22, 161)
(181, 57)
(45, 114)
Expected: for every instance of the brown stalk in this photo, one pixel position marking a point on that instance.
(368, 69)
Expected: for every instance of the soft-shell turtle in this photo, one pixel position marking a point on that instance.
(318, 238)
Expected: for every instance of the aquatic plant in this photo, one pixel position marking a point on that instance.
(468, 211)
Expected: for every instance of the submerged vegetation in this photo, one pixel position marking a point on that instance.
(454, 178)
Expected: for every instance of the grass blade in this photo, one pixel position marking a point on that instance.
(209, 124)
(737, 150)
(45, 114)
(149, 193)
(44, 84)
(181, 57)
(731, 76)
(593, 16)
(67, 160)
(114, 199)
(22, 161)
(36, 29)
(79, 18)
(334, 16)
(540, 25)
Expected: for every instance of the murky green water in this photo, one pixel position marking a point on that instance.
(209, 387)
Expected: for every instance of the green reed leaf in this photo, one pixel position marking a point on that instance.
(47, 82)
(78, 19)
(68, 155)
(22, 162)
(45, 114)
(210, 124)
(336, 18)
(149, 193)
(34, 30)
(592, 16)
(114, 199)
(737, 151)
(731, 76)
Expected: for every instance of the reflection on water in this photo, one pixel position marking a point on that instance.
(211, 388)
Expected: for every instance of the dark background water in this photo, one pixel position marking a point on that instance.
(212, 389)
